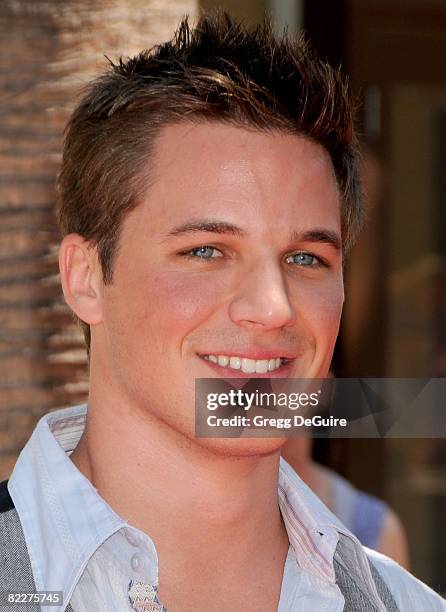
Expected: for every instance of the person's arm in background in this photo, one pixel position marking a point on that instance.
(393, 540)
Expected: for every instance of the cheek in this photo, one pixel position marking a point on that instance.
(150, 315)
(321, 308)
(173, 304)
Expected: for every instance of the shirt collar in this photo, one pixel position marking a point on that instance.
(311, 532)
(50, 495)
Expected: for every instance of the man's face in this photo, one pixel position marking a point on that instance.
(233, 257)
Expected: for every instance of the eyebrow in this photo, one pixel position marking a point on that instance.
(207, 225)
(319, 235)
(222, 227)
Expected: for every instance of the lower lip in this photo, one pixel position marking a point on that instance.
(284, 371)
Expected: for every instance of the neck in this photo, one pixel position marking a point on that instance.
(175, 490)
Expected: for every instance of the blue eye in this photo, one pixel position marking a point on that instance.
(203, 252)
(304, 259)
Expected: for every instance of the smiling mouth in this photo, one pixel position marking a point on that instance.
(246, 365)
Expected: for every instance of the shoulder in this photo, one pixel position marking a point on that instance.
(410, 594)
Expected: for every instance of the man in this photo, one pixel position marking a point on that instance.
(208, 191)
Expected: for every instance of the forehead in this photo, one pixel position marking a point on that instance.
(228, 148)
(246, 174)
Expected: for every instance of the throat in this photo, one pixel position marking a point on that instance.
(227, 576)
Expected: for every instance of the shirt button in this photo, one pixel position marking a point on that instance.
(138, 563)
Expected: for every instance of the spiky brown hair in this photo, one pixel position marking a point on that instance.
(219, 71)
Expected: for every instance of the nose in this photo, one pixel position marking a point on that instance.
(262, 299)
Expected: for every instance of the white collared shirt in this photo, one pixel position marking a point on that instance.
(78, 545)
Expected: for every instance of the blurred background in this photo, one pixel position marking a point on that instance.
(395, 314)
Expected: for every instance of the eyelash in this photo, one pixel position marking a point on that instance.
(188, 255)
(320, 262)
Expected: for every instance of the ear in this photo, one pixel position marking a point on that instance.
(81, 277)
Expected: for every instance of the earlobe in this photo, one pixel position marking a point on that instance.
(81, 278)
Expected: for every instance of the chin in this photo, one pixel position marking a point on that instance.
(241, 447)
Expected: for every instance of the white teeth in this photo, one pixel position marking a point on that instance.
(248, 366)
(262, 366)
(235, 363)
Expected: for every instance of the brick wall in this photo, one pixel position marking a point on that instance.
(48, 50)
